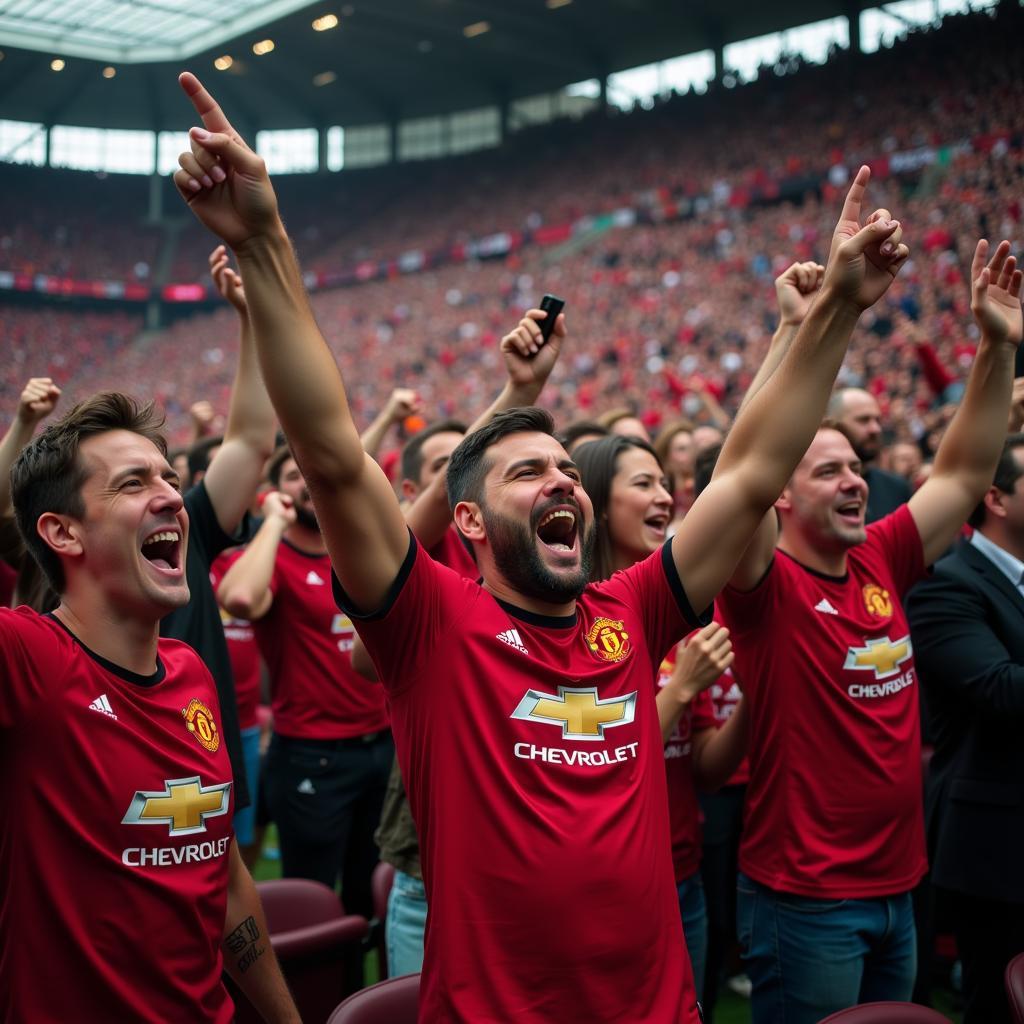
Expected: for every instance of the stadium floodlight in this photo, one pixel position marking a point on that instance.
(223, 63)
(328, 21)
(109, 72)
(57, 64)
(262, 47)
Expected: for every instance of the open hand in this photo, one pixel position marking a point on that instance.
(228, 283)
(995, 293)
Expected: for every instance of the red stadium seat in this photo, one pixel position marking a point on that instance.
(886, 1013)
(318, 944)
(1015, 987)
(383, 878)
(395, 1001)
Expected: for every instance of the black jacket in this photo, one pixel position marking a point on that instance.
(967, 623)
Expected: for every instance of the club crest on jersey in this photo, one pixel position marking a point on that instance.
(877, 601)
(609, 640)
(199, 721)
(183, 805)
(881, 656)
(580, 712)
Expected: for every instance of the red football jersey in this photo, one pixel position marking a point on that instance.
(242, 649)
(533, 760)
(307, 645)
(834, 803)
(116, 833)
(450, 550)
(684, 811)
(725, 695)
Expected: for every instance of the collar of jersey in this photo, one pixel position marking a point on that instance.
(123, 673)
(814, 572)
(535, 619)
(305, 554)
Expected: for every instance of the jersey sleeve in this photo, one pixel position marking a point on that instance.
(653, 588)
(897, 538)
(408, 634)
(744, 610)
(26, 665)
(204, 531)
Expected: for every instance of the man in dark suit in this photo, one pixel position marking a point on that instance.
(967, 622)
(858, 411)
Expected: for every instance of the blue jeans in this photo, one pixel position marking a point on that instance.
(245, 820)
(695, 926)
(403, 930)
(808, 958)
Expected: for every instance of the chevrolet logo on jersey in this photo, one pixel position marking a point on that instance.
(184, 805)
(883, 656)
(580, 712)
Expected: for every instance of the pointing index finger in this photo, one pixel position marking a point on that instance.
(851, 207)
(206, 106)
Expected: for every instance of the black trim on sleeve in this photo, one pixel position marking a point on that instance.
(341, 599)
(676, 586)
(127, 675)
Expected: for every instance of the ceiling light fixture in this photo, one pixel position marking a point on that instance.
(109, 72)
(262, 47)
(326, 22)
(223, 63)
(57, 64)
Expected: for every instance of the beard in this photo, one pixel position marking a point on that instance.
(517, 557)
(304, 517)
(868, 451)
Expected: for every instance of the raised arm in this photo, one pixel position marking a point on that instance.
(529, 361)
(966, 459)
(402, 402)
(37, 401)
(236, 469)
(245, 589)
(358, 512)
(773, 431)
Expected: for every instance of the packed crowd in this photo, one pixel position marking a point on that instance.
(682, 578)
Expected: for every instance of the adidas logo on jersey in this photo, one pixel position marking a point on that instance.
(824, 606)
(102, 705)
(513, 639)
(313, 579)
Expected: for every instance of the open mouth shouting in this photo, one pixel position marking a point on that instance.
(658, 524)
(558, 530)
(851, 513)
(162, 550)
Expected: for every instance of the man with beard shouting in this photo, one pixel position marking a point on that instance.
(522, 706)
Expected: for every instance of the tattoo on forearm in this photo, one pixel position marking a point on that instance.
(242, 942)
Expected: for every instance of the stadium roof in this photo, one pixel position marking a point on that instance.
(386, 59)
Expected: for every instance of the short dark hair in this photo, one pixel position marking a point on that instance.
(704, 466)
(199, 456)
(596, 461)
(468, 465)
(48, 474)
(281, 455)
(1008, 472)
(412, 453)
(580, 428)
